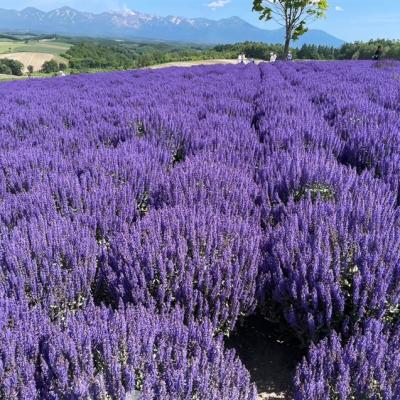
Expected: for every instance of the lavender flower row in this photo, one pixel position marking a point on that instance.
(143, 214)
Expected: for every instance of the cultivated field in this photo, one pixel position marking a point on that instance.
(4, 77)
(222, 232)
(34, 52)
(34, 59)
(7, 46)
(34, 46)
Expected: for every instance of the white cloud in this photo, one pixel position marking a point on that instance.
(338, 8)
(218, 4)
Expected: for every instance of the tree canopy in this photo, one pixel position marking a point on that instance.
(292, 14)
(11, 67)
(50, 66)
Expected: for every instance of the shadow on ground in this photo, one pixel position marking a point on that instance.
(270, 360)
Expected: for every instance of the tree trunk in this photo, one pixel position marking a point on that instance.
(287, 44)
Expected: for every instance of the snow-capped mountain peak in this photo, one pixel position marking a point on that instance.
(176, 20)
(126, 12)
(130, 24)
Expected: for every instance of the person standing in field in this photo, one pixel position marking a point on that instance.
(290, 56)
(378, 53)
(242, 58)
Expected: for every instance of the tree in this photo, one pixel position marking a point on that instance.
(14, 66)
(292, 14)
(62, 66)
(50, 66)
(30, 69)
(5, 69)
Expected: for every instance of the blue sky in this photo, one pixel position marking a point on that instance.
(347, 19)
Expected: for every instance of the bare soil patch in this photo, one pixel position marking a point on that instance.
(29, 58)
(270, 359)
(198, 62)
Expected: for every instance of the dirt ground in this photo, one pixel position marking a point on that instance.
(270, 360)
(199, 62)
(28, 58)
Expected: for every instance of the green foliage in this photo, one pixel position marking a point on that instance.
(313, 52)
(104, 55)
(92, 55)
(292, 14)
(255, 50)
(5, 69)
(296, 11)
(11, 67)
(143, 204)
(365, 50)
(350, 51)
(50, 66)
(30, 69)
(315, 190)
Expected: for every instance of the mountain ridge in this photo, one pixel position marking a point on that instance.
(129, 24)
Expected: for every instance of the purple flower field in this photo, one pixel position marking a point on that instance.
(144, 215)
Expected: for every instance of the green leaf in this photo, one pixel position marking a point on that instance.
(295, 8)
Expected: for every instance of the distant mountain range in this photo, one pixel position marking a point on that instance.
(134, 25)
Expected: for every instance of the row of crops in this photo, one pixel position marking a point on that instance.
(144, 215)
